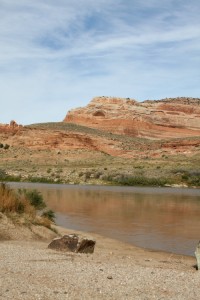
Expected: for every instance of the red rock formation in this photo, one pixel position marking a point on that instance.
(12, 127)
(167, 118)
(13, 124)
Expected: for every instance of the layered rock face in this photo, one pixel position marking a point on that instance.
(167, 118)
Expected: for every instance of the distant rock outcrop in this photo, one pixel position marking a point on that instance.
(12, 126)
(167, 118)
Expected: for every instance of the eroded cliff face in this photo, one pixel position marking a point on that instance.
(167, 118)
(171, 126)
(78, 154)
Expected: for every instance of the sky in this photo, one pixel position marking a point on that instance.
(58, 55)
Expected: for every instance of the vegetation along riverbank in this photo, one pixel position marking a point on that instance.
(141, 162)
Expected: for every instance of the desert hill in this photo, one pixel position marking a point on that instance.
(167, 118)
(108, 140)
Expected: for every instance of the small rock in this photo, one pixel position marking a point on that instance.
(109, 277)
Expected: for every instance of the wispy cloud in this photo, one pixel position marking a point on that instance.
(58, 55)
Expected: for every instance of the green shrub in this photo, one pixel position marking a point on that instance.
(194, 180)
(23, 205)
(35, 198)
(88, 174)
(136, 180)
(50, 215)
(5, 177)
(40, 179)
(184, 177)
(2, 175)
(190, 177)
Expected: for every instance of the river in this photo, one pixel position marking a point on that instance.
(165, 219)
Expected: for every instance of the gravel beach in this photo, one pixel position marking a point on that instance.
(29, 270)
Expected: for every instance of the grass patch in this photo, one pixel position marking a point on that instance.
(43, 180)
(25, 205)
(189, 177)
(136, 180)
(6, 177)
(12, 202)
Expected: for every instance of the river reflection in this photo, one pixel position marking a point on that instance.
(155, 218)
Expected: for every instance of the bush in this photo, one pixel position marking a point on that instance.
(194, 180)
(136, 180)
(6, 146)
(5, 177)
(10, 201)
(97, 175)
(35, 198)
(50, 215)
(40, 179)
(190, 177)
(88, 175)
(2, 175)
(24, 205)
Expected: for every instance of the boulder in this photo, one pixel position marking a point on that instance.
(73, 243)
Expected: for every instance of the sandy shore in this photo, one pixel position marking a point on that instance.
(29, 270)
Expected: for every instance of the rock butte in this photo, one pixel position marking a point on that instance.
(12, 127)
(169, 124)
(167, 118)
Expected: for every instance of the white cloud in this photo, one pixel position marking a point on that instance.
(58, 55)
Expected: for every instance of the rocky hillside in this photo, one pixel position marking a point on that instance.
(110, 140)
(167, 118)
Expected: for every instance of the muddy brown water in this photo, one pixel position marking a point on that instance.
(165, 219)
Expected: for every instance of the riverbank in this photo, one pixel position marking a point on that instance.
(114, 271)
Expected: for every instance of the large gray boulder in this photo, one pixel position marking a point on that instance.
(73, 243)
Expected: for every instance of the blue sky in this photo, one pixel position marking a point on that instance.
(58, 55)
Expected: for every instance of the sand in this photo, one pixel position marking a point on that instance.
(29, 270)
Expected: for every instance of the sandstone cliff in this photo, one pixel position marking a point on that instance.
(167, 118)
